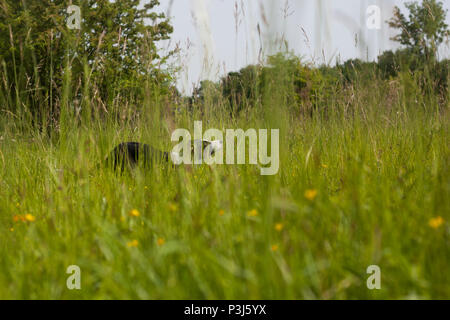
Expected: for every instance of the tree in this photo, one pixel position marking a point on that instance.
(242, 88)
(297, 82)
(424, 29)
(114, 49)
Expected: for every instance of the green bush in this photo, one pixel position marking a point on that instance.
(113, 54)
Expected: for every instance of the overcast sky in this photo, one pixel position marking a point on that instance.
(219, 36)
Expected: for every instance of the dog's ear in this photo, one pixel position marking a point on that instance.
(205, 144)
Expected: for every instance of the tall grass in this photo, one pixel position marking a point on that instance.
(378, 162)
(361, 178)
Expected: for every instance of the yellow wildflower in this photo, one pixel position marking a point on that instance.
(24, 217)
(252, 213)
(160, 241)
(133, 243)
(436, 222)
(134, 213)
(221, 212)
(279, 227)
(310, 194)
(274, 247)
(29, 217)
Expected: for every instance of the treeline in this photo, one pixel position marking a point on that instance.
(306, 86)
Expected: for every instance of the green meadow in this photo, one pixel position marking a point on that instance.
(363, 180)
(357, 187)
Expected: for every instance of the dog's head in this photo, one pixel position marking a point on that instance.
(207, 149)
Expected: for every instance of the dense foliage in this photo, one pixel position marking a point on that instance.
(113, 53)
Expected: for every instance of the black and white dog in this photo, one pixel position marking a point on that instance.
(134, 153)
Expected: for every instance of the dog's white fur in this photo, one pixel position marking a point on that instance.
(213, 147)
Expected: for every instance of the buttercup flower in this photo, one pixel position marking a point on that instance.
(133, 243)
(436, 222)
(310, 194)
(29, 217)
(24, 217)
(279, 227)
(134, 213)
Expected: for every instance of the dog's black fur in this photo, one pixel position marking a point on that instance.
(128, 154)
(132, 153)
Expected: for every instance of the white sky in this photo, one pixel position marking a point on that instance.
(214, 42)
